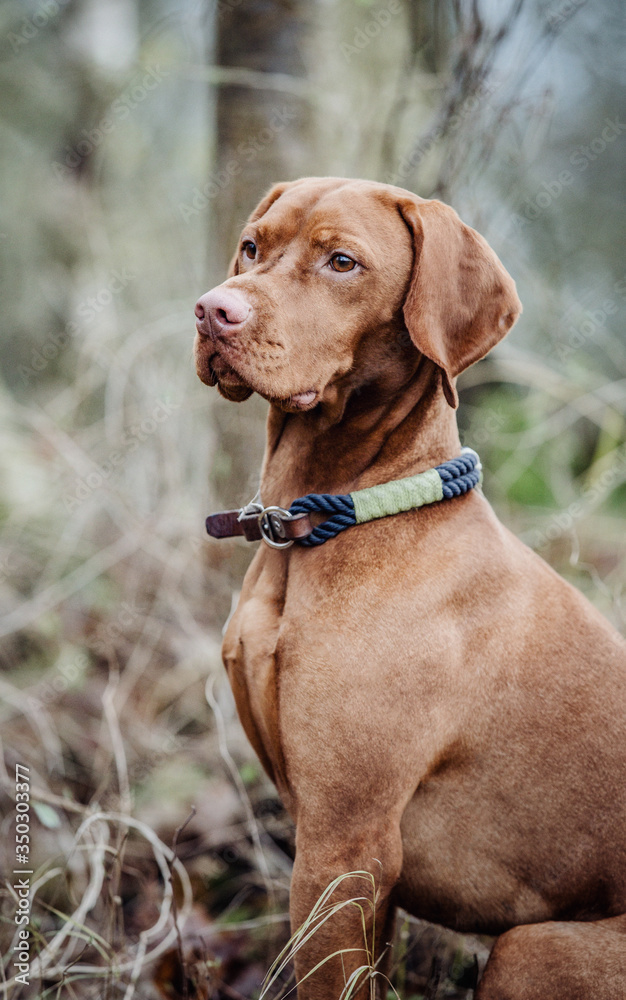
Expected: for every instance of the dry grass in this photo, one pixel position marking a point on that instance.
(113, 690)
(111, 453)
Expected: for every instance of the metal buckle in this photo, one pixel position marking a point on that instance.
(271, 524)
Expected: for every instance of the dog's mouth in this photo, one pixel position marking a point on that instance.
(229, 382)
(216, 371)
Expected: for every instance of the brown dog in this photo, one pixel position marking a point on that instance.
(435, 705)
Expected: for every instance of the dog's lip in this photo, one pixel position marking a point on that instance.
(222, 371)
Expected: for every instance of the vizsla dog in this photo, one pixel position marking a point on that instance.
(435, 705)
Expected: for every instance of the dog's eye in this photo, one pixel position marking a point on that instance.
(249, 249)
(341, 262)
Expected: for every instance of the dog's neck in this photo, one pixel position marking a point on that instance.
(347, 443)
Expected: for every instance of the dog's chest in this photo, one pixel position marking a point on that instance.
(249, 653)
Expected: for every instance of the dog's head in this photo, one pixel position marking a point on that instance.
(338, 284)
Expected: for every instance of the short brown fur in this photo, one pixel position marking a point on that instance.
(433, 702)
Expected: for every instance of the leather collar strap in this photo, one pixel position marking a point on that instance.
(280, 528)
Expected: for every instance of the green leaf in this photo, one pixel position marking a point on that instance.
(47, 816)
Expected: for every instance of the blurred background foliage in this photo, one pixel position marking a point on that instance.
(136, 137)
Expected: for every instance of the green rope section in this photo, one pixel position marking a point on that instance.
(396, 496)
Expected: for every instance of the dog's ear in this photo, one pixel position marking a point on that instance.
(461, 301)
(272, 195)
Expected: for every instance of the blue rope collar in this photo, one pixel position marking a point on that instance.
(280, 527)
(451, 479)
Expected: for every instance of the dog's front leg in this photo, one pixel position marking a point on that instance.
(345, 920)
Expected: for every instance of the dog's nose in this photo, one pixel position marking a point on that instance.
(221, 311)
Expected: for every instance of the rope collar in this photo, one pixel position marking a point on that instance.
(280, 528)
